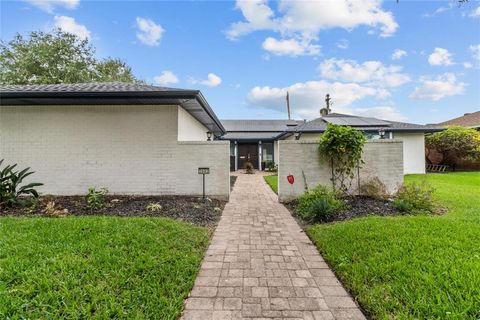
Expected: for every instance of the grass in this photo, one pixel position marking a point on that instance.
(97, 267)
(272, 181)
(413, 267)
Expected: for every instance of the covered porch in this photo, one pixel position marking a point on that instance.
(261, 153)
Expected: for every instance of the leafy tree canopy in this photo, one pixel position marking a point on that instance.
(57, 57)
(454, 142)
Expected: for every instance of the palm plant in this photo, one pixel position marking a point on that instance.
(12, 191)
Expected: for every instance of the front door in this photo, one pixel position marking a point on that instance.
(247, 153)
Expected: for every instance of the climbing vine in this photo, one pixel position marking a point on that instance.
(342, 146)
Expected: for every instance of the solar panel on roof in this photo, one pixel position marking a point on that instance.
(356, 121)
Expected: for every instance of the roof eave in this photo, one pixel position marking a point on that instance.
(179, 97)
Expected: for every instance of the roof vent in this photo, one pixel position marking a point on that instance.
(292, 124)
(326, 110)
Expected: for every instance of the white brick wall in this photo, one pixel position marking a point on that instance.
(383, 159)
(128, 149)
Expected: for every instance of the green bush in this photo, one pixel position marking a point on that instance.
(96, 198)
(319, 204)
(415, 198)
(271, 166)
(11, 190)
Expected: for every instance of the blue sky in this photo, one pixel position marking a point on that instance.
(245, 55)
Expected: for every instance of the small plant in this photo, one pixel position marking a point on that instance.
(249, 169)
(415, 198)
(11, 190)
(321, 210)
(96, 198)
(319, 204)
(154, 206)
(271, 166)
(374, 188)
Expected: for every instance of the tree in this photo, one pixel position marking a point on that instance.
(57, 57)
(455, 142)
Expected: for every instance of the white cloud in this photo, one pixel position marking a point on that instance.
(475, 50)
(290, 47)
(308, 97)
(258, 16)
(212, 80)
(449, 7)
(442, 86)
(166, 77)
(342, 44)
(386, 113)
(68, 24)
(50, 5)
(475, 13)
(440, 57)
(305, 19)
(399, 54)
(467, 65)
(369, 72)
(149, 32)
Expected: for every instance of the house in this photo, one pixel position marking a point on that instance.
(412, 136)
(469, 120)
(129, 138)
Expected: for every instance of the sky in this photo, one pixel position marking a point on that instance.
(414, 61)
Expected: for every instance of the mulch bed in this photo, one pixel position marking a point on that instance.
(357, 206)
(190, 209)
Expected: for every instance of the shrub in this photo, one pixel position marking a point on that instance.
(455, 142)
(319, 204)
(321, 210)
(415, 198)
(96, 198)
(154, 206)
(11, 190)
(374, 188)
(249, 169)
(271, 166)
(342, 146)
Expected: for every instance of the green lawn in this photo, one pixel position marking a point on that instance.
(97, 267)
(413, 267)
(272, 181)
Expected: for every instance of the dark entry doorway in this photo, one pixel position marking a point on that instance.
(247, 152)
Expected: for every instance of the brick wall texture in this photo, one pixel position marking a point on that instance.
(128, 149)
(383, 159)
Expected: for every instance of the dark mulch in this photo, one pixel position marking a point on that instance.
(357, 206)
(190, 209)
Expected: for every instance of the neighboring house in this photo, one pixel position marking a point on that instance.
(254, 141)
(412, 136)
(469, 120)
(132, 139)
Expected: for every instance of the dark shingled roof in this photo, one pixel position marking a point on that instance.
(259, 125)
(111, 93)
(85, 87)
(471, 120)
(250, 135)
(360, 123)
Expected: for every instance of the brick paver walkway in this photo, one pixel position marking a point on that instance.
(261, 265)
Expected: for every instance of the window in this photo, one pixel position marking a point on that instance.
(373, 135)
(267, 151)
